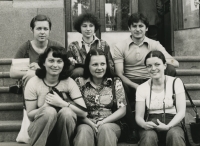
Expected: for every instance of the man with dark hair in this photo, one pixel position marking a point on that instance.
(129, 58)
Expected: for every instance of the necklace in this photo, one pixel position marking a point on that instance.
(51, 86)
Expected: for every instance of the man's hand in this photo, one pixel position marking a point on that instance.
(72, 60)
(33, 66)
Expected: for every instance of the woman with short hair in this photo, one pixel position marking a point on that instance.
(86, 24)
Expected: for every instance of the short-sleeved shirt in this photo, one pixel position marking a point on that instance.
(37, 90)
(100, 100)
(79, 50)
(133, 55)
(27, 51)
(156, 104)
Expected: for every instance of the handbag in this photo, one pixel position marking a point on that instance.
(16, 88)
(23, 133)
(125, 129)
(19, 67)
(191, 125)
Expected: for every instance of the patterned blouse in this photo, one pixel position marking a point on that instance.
(77, 50)
(99, 100)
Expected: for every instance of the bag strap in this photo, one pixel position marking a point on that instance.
(188, 95)
(74, 103)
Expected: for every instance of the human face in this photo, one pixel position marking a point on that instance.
(138, 30)
(53, 65)
(97, 66)
(87, 29)
(41, 31)
(155, 67)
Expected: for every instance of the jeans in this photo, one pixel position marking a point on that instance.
(173, 137)
(107, 135)
(48, 122)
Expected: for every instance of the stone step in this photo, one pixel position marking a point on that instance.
(11, 111)
(22, 144)
(188, 62)
(10, 97)
(9, 130)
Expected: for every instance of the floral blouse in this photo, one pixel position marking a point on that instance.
(99, 100)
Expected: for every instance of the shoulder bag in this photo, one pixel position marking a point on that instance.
(190, 124)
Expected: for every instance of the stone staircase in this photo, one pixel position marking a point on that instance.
(11, 105)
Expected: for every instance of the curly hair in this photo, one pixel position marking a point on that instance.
(86, 17)
(136, 17)
(96, 52)
(40, 18)
(58, 52)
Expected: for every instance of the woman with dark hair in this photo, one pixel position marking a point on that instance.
(86, 24)
(40, 26)
(159, 111)
(48, 112)
(105, 100)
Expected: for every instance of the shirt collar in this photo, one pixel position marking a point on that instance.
(106, 82)
(130, 41)
(94, 40)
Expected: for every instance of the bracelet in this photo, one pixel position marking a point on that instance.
(68, 104)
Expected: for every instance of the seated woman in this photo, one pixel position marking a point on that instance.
(164, 113)
(40, 26)
(86, 24)
(105, 100)
(47, 111)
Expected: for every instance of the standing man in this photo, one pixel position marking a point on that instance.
(129, 58)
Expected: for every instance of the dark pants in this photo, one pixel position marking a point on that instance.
(130, 92)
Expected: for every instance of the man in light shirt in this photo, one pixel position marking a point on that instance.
(129, 58)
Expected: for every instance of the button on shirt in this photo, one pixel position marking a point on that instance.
(133, 55)
(99, 99)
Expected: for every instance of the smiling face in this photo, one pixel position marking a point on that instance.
(87, 29)
(97, 66)
(155, 67)
(138, 30)
(41, 31)
(53, 65)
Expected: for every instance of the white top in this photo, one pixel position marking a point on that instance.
(37, 90)
(156, 106)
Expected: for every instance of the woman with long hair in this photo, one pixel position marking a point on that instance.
(105, 100)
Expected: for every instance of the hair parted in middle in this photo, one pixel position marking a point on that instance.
(58, 52)
(155, 53)
(86, 17)
(96, 52)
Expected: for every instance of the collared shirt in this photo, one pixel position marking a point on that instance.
(99, 99)
(133, 55)
(78, 50)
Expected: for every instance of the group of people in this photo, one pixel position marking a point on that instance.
(134, 83)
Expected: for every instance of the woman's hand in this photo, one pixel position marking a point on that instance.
(161, 126)
(99, 123)
(149, 125)
(54, 99)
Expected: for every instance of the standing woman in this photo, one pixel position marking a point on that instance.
(105, 100)
(40, 26)
(163, 114)
(48, 112)
(86, 24)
